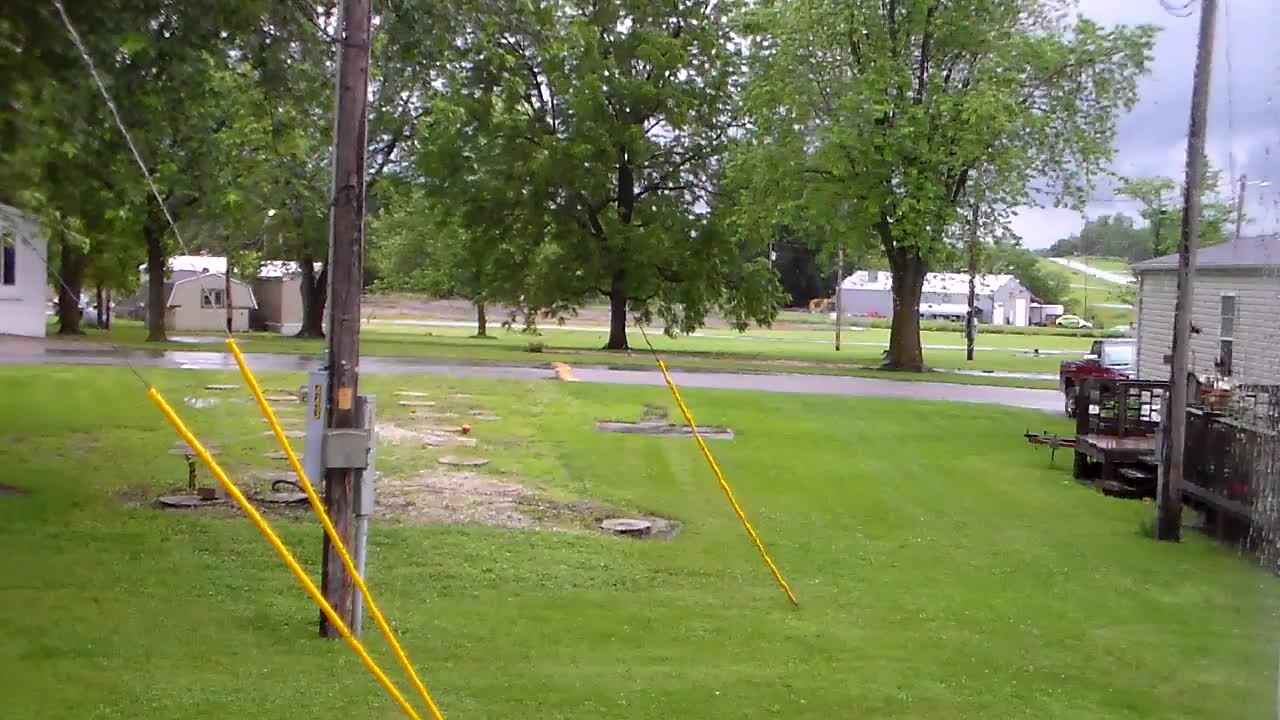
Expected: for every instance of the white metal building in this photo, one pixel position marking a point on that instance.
(23, 250)
(1235, 316)
(1001, 299)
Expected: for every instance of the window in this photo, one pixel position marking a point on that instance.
(8, 262)
(1117, 355)
(211, 298)
(1226, 334)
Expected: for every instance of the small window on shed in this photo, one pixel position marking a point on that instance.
(212, 298)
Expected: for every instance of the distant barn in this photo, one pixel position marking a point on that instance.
(1001, 299)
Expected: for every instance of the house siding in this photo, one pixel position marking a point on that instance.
(22, 305)
(1256, 347)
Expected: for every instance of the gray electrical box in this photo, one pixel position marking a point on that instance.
(317, 399)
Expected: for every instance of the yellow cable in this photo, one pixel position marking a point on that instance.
(724, 485)
(330, 530)
(282, 551)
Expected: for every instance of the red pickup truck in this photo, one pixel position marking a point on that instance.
(1112, 359)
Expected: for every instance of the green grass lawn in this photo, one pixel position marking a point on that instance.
(804, 351)
(1084, 300)
(944, 570)
(1110, 264)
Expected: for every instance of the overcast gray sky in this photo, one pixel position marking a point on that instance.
(1244, 125)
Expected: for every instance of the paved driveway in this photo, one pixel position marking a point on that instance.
(37, 352)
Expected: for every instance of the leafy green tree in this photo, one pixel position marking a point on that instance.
(593, 134)
(873, 118)
(158, 59)
(1161, 206)
(1012, 258)
(1108, 236)
(422, 246)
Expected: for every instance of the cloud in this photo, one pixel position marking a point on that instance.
(1244, 123)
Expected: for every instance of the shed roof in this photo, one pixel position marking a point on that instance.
(253, 301)
(948, 283)
(218, 264)
(283, 268)
(1247, 253)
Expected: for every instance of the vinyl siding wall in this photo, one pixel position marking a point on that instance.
(1256, 351)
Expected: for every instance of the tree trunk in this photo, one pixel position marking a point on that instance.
(102, 306)
(482, 322)
(153, 233)
(908, 270)
(617, 313)
(106, 312)
(71, 267)
(315, 291)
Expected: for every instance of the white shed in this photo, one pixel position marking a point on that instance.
(199, 302)
(1001, 299)
(1235, 316)
(23, 250)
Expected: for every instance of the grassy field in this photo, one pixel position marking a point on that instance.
(941, 574)
(1087, 292)
(803, 351)
(1110, 264)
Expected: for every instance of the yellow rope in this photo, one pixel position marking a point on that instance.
(282, 551)
(724, 485)
(331, 531)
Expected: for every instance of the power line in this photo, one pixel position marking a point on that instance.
(111, 105)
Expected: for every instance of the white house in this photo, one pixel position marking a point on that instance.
(23, 251)
(1235, 317)
(1001, 299)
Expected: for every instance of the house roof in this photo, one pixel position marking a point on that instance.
(947, 283)
(173, 290)
(282, 268)
(195, 263)
(1247, 253)
(202, 264)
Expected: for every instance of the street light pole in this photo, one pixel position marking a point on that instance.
(1244, 182)
(1169, 488)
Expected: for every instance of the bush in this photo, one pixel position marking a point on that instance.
(536, 347)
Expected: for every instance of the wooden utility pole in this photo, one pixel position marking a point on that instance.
(1169, 493)
(839, 285)
(346, 276)
(1244, 182)
(971, 321)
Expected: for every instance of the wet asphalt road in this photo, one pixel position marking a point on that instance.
(36, 353)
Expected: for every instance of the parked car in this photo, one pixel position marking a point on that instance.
(1073, 321)
(1114, 359)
